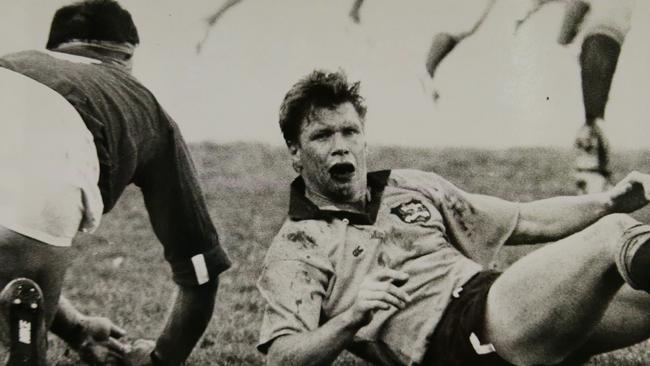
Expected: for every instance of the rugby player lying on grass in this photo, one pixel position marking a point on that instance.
(77, 129)
(394, 265)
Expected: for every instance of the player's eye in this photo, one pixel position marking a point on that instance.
(350, 131)
(320, 135)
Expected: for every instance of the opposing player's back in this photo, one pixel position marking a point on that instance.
(123, 116)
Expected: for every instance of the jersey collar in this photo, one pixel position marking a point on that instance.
(301, 208)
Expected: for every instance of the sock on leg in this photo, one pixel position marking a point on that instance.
(633, 260)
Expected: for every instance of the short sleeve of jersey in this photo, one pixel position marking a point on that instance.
(478, 225)
(293, 282)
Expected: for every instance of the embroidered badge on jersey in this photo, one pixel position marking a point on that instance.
(413, 211)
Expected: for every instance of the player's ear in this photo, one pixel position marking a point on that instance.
(294, 150)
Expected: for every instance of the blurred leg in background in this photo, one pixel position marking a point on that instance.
(606, 25)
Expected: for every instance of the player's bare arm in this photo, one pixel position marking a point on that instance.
(190, 315)
(558, 217)
(322, 345)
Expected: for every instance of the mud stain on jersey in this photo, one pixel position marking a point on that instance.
(303, 239)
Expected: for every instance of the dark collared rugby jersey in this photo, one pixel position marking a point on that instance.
(417, 222)
(137, 142)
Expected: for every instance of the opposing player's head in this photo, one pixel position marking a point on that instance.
(322, 120)
(104, 24)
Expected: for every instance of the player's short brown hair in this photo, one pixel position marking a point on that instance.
(319, 89)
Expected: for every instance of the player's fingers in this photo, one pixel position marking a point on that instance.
(143, 346)
(116, 331)
(117, 346)
(389, 287)
(399, 293)
(388, 274)
(370, 305)
(388, 298)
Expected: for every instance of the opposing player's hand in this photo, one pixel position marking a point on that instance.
(140, 353)
(631, 193)
(99, 344)
(379, 291)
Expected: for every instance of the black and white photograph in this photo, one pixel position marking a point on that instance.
(324, 182)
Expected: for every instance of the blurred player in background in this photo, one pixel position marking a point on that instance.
(604, 25)
(212, 20)
(441, 45)
(77, 129)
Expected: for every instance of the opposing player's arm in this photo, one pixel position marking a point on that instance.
(180, 219)
(95, 338)
(190, 315)
(555, 218)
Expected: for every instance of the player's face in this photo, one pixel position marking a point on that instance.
(331, 154)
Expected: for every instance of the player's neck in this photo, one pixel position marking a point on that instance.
(107, 52)
(325, 203)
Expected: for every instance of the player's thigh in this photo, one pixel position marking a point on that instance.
(531, 310)
(22, 256)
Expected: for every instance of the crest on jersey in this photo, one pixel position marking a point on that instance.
(412, 211)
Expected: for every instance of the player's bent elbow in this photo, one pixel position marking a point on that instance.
(279, 352)
(207, 290)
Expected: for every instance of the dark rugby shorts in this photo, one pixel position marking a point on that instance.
(458, 339)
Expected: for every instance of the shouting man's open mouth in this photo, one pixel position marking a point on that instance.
(342, 172)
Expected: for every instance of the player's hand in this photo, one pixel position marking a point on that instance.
(631, 193)
(99, 344)
(379, 291)
(140, 353)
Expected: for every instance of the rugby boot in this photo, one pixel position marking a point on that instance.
(22, 299)
(592, 160)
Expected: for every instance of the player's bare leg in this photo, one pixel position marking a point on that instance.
(355, 11)
(574, 14)
(23, 257)
(558, 299)
(615, 329)
(442, 44)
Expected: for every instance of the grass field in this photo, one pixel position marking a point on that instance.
(119, 271)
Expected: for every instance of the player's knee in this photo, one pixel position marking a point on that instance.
(530, 354)
(605, 234)
(525, 344)
(527, 352)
